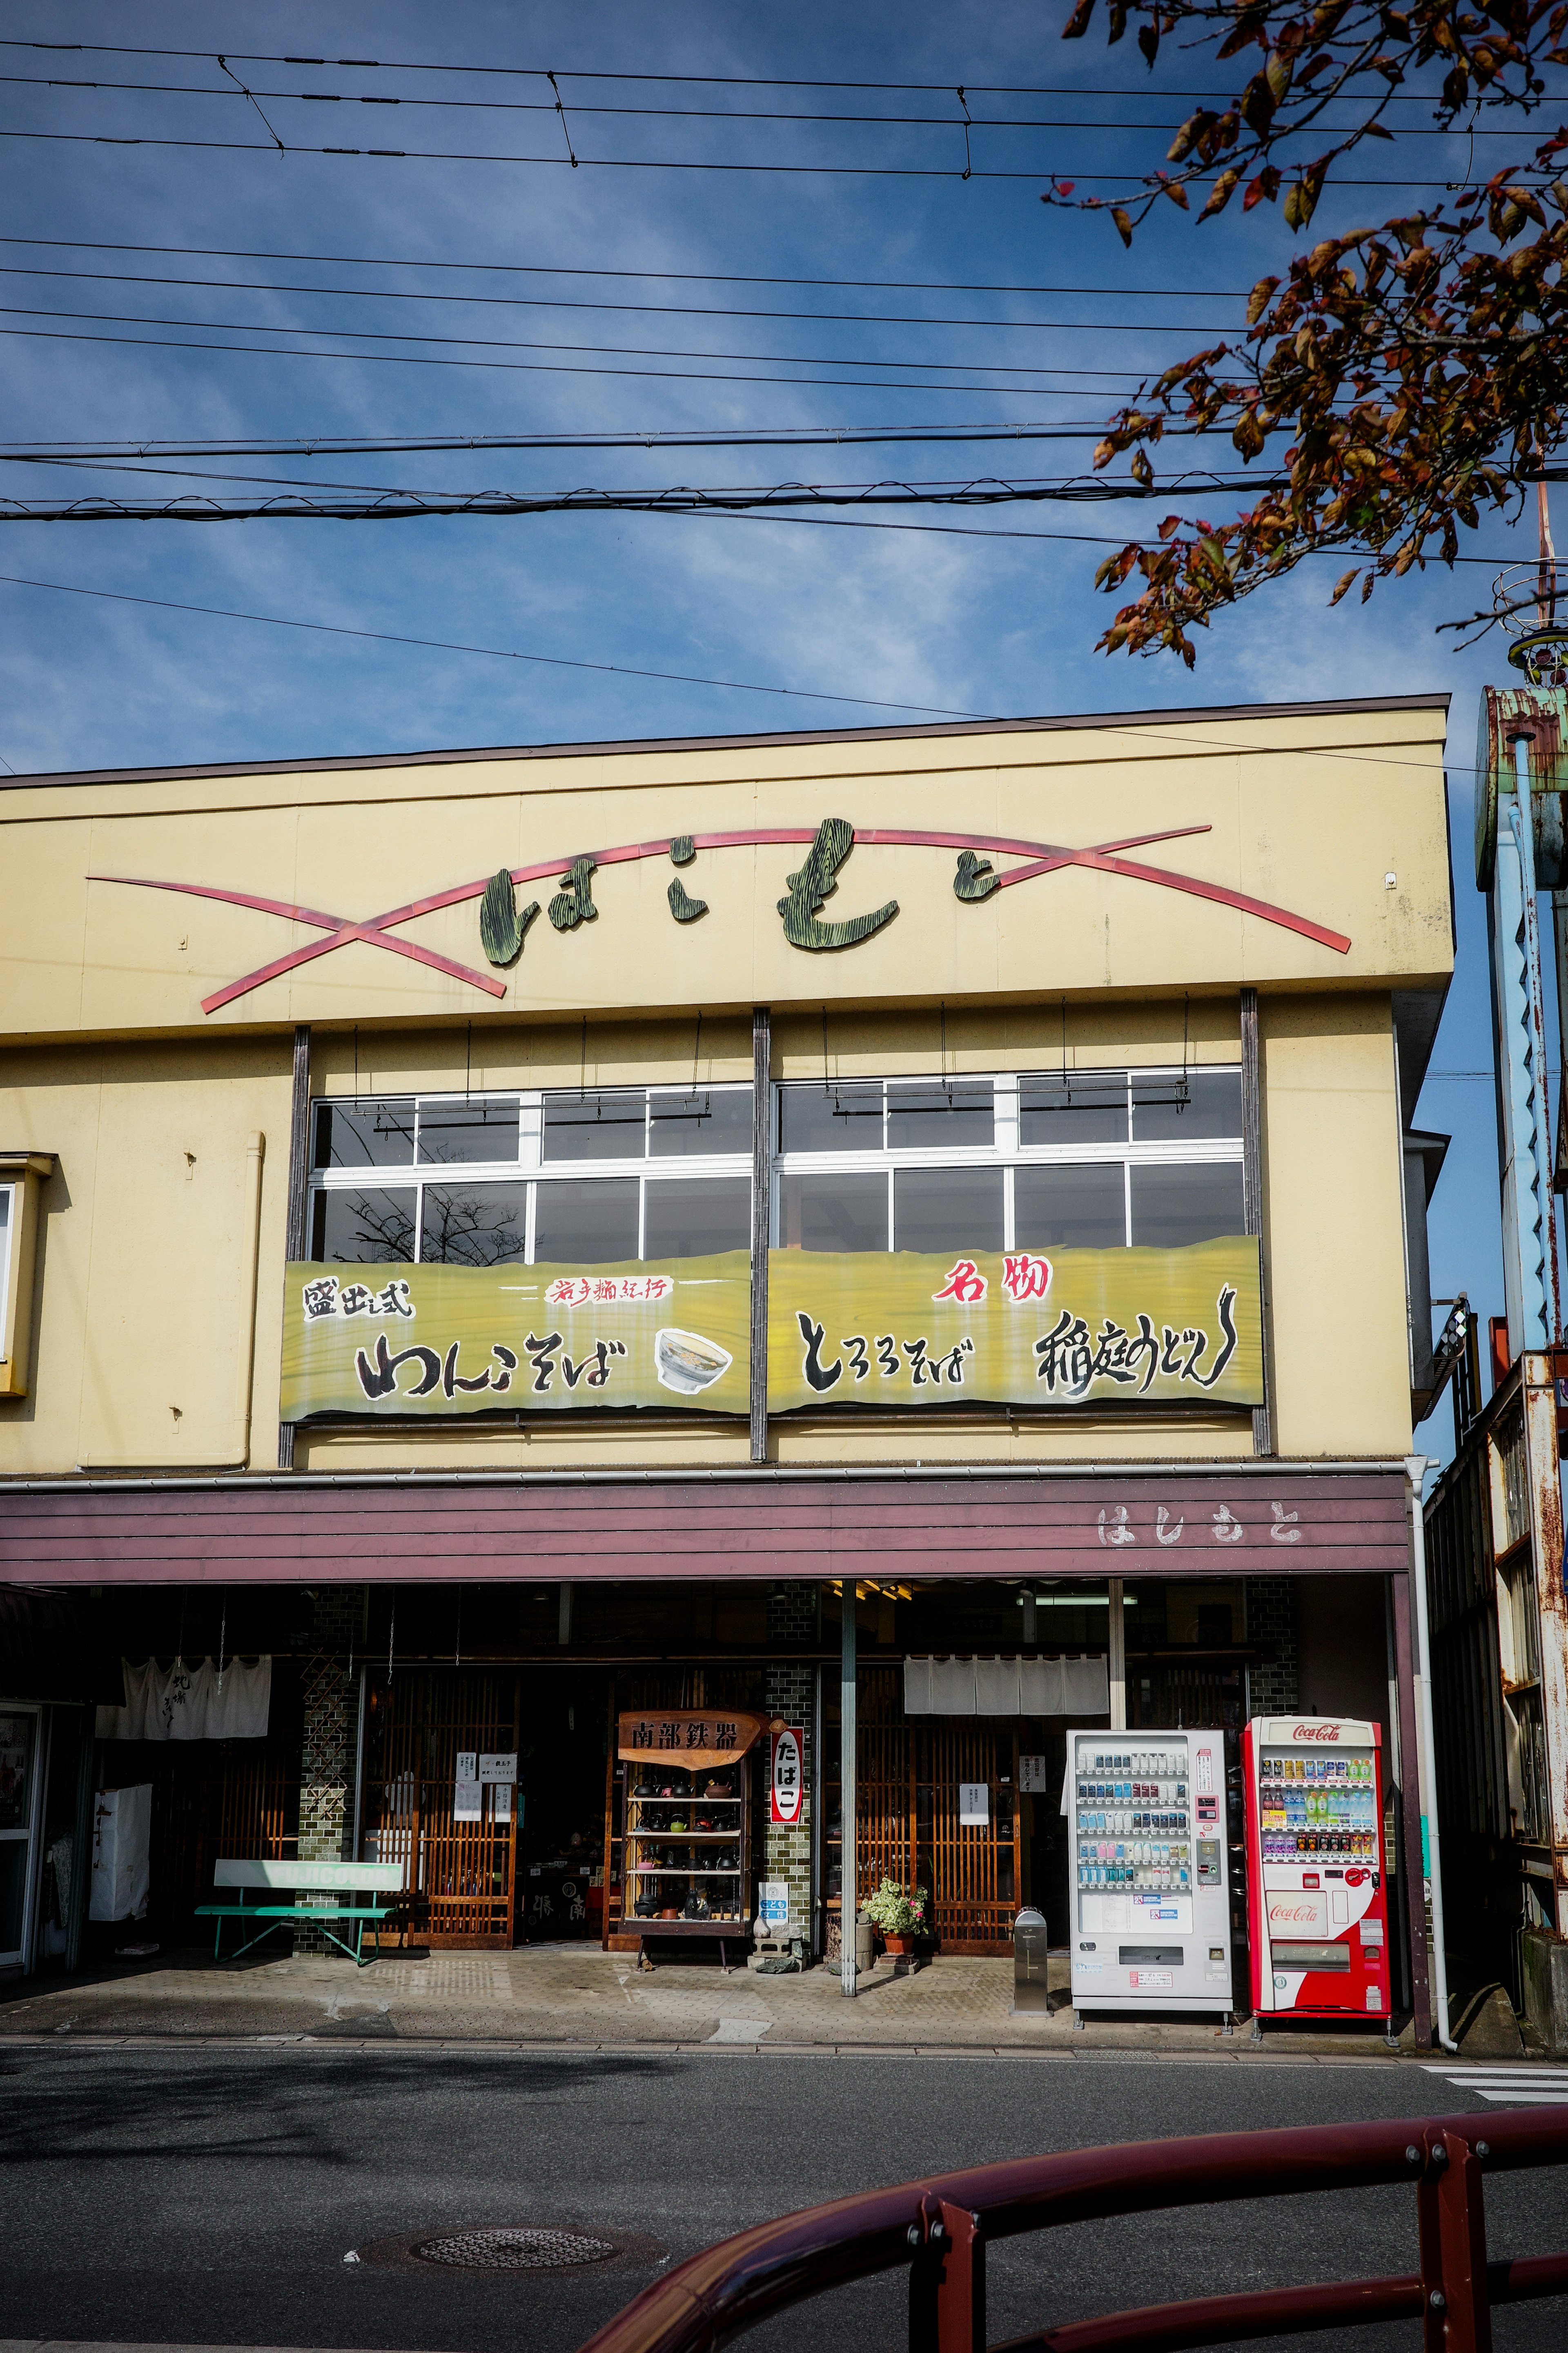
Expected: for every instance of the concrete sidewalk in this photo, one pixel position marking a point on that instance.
(575, 1996)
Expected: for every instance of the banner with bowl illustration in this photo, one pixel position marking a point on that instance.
(434, 1341)
(1070, 1327)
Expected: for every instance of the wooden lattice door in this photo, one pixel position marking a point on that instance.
(908, 1777)
(460, 1875)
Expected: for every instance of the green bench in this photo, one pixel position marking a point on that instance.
(342, 1880)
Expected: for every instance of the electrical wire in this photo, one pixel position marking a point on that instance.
(556, 367)
(542, 73)
(607, 351)
(804, 437)
(587, 107)
(401, 505)
(576, 269)
(634, 163)
(567, 302)
(500, 653)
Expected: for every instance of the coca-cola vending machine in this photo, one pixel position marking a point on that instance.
(1317, 1890)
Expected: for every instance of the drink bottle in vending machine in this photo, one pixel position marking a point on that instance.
(1151, 1908)
(1317, 1888)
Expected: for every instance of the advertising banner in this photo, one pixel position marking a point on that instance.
(787, 1774)
(434, 1341)
(903, 1329)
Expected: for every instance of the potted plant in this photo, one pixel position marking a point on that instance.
(900, 1912)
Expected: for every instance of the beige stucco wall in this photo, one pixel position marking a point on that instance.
(106, 1059)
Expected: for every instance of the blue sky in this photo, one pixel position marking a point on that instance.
(977, 621)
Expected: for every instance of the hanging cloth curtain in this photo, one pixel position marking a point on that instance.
(184, 1702)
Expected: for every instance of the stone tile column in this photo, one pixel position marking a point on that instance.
(788, 1688)
(327, 1744)
(1273, 1682)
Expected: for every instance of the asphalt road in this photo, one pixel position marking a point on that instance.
(209, 2196)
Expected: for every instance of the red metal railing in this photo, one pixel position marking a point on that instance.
(941, 2227)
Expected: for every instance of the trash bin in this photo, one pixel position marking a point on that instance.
(1030, 1990)
(865, 1944)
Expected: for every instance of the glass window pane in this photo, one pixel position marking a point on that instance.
(828, 1211)
(690, 1219)
(474, 1225)
(590, 1223)
(604, 1124)
(1069, 1209)
(709, 1119)
(467, 1131)
(840, 1115)
(363, 1135)
(1177, 1205)
(947, 1209)
(1073, 1107)
(941, 1114)
(1204, 1102)
(372, 1227)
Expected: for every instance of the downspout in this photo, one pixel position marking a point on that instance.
(1426, 1762)
(250, 1251)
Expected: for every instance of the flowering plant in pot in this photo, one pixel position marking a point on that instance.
(900, 1912)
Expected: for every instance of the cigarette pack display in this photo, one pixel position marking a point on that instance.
(1317, 1889)
(1151, 1901)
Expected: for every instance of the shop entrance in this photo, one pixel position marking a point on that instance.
(459, 1848)
(561, 1766)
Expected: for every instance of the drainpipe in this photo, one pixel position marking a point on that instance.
(1426, 1762)
(848, 1907)
(250, 1246)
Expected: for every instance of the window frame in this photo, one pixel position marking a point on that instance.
(530, 1169)
(1006, 1153)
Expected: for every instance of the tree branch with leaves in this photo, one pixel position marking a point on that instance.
(1401, 379)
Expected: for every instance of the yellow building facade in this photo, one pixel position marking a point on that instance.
(1056, 1076)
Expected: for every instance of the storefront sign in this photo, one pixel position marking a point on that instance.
(973, 1805)
(497, 1768)
(688, 1736)
(466, 1802)
(1075, 1327)
(1034, 1777)
(774, 1902)
(786, 1776)
(433, 1340)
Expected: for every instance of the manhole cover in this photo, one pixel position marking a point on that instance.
(514, 2251)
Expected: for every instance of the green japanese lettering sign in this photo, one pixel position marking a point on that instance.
(901, 1330)
(433, 1340)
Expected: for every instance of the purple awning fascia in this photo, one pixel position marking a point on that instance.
(1213, 1523)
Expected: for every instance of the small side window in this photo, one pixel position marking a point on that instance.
(22, 1177)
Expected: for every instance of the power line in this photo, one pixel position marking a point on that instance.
(634, 163)
(70, 453)
(590, 108)
(500, 653)
(565, 73)
(401, 505)
(555, 367)
(567, 302)
(576, 269)
(607, 351)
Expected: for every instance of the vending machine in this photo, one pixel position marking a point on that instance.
(1317, 1889)
(1151, 1898)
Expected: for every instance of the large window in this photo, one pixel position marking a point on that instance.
(1064, 1160)
(590, 1176)
(1092, 1159)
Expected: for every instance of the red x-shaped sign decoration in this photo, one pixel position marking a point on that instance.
(382, 932)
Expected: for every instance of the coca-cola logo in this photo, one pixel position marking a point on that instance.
(1316, 1732)
(1284, 1913)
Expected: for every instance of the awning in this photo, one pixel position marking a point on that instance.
(1249, 1520)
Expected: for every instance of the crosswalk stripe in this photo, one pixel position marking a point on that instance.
(1507, 2086)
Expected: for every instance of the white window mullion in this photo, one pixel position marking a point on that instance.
(530, 1224)
(1009, 1241)
(642, 1216)
(892, 1230)
(1127, 1199)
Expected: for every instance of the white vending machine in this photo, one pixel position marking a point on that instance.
(1151, 1901)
